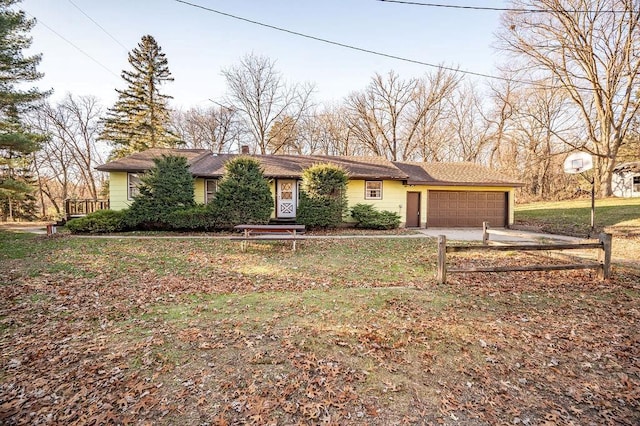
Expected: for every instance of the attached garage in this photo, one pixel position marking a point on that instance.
(467, 208)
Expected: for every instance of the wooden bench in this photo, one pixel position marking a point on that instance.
(269, 232)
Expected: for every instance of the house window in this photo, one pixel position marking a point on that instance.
(636, 183)
(210, 189)
(133, 184)
(373, 190)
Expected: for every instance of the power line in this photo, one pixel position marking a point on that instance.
(361, 49)
(336, 43)
(99, 26)
(75, 46)
(493, 9)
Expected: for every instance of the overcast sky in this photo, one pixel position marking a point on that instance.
(199, 43)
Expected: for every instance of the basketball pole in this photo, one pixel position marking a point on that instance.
(593, 206)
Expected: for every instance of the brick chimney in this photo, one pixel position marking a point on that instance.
(244, 149)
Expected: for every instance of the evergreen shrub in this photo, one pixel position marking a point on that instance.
(369, 218)
(323, 199)
(99, 222)
(197, 218)
(243, 195)
(166, 188)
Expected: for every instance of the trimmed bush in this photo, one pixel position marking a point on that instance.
(320, 212)
(243, 194)
(369, 218)
(166, 188)
(100, 222)
(323, 199)
(200, 218)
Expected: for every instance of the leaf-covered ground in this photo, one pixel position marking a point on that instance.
(97, 331)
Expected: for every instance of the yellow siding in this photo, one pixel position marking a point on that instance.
(272, 187)
(394, 197)
(198, 190)
(118, 191)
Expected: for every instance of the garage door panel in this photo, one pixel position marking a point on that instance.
(466, 208)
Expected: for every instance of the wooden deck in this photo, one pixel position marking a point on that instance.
(81, 207)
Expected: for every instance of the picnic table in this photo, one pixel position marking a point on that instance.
(269, 232)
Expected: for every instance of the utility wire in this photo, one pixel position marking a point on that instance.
(361, 49)
(99, 26)
(74, 45)
(335, 43)
(494, 9)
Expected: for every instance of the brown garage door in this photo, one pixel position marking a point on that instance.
(466, 208)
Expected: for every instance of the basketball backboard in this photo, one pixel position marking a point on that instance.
(578, 162)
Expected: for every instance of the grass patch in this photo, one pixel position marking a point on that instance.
(194, 331)
(573, 217)
(618, 216)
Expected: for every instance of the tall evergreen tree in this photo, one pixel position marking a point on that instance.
(16, 142)
(140, 118)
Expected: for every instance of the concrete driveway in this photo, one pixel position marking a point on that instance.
(475, 234)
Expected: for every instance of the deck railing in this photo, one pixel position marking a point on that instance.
(79, 208)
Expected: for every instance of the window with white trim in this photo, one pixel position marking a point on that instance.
(133, 184)
(373, 190)
(210, 189)
(636, 183)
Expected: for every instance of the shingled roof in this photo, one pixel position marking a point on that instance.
(204, 163)
(447, 174)
(143, 161)
(292, 166)
(628, 167)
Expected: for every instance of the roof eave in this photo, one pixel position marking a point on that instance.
(441, 183)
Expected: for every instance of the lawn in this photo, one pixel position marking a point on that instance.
(573, 217)
(193, 331)
(618, 216)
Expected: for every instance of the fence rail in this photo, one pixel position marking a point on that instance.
(603, 265)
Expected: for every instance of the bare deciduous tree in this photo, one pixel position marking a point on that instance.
(328, 132)
(381, 115)
(259, 93)
(591, 49)
(393, 117)
(217, 128)
(432, 98)
(65, 165)
(471, 133)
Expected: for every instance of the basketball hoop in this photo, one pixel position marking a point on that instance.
(578, 162)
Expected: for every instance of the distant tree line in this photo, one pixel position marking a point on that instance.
(571, 82)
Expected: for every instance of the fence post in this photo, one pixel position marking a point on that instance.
(441, 276)
(485, 233)
(604, 256)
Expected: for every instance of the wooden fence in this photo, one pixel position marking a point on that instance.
(603, 265)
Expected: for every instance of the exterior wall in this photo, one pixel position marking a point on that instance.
(272, 187)
(394, 197)
(118, 189)
(198, 190)
(622, 183)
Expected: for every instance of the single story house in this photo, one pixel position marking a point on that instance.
(626, 180)
(423, 194)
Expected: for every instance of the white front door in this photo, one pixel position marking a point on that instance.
(287, 198)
